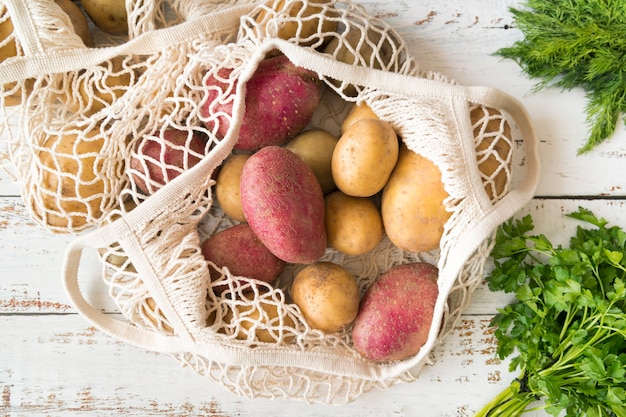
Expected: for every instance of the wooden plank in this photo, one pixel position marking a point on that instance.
(549, 217)
(31, 283)
(459, 39)
(56, 365)
(30, 265)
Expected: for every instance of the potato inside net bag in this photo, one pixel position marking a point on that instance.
(151, 216)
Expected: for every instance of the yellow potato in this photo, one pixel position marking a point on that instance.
(99, 90)
(492, 149)
(72, 181)
(114, 254)
(364, 157)
(227, 190)
(327, 294)
(304, 27)
(353, 224)
(264, 319)
(154, 314)
(8, 49)
(315, 147)
(412, 204)
(78, 19)
(357, 112)
(355, 48)
(108, 15)
(9, 45)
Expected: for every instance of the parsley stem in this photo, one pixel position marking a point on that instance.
(510, 402)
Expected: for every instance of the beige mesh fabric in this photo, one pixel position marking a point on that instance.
(91, 111)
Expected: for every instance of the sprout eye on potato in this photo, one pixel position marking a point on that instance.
(109, 15)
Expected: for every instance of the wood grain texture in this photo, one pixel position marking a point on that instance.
(53, 363)
(84, 372)
(56, 364)
(459, 39)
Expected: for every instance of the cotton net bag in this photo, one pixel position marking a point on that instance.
(246, 336)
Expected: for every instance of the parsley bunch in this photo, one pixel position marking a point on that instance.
(567, 325)
(577, 43)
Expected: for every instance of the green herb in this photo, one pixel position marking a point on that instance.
(566, 330)
(577, 43)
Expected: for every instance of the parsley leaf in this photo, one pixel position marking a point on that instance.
(566, 330)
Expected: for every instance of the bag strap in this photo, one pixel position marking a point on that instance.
(152, 340)
(58, 61)
(494, 214)
(417, 86)
(339, 364)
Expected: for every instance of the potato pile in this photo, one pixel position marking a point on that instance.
(300, 190)
(291, 190)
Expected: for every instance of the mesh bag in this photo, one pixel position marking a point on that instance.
(81, 113)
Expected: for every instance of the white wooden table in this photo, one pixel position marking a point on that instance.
(53, 363)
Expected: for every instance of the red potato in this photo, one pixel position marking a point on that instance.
(156, 160)
(284, 205)
(396, 313)
(280, 101)
(240, 250)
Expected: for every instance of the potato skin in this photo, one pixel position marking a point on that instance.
(376, 53)
(280, 101)
(396, 313)
(9, 50)
(109, 15)
(100, 89)
(78, 19)
(357, 112)
(364, 157)
(304, 28)
(284, 205)
(227, 189)
(412, 203)
(158, 159)
(327, 294)
(73, 172)
(241, 251)
(488, 163)
(262, 322)
(353, 224)
(315, 147)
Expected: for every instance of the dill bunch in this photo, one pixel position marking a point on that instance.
(577, 43)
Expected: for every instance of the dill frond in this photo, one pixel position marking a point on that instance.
(576, 44)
